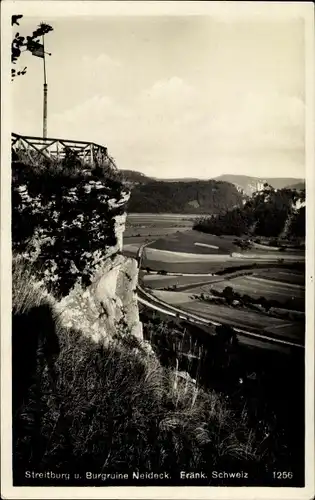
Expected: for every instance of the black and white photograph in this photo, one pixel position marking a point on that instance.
(157, 249)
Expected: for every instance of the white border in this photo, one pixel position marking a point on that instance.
(53, 9)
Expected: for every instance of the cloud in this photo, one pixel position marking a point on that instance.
(100, 64)
(173, 88)
(97, 120)
(173, 94)
(170, 126)
(165, 103)
(101, 74)
(226, 122)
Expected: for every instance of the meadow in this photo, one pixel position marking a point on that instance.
(196, 243)
(183, 268)
(173, 247)
(145, 228)
(257, 287)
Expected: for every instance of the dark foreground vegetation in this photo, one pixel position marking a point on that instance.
(267, 386)
(111, 407)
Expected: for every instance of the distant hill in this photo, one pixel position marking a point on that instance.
(250, 185)
(190, 195)
(184, 197)
(181, 179)
(270, 213)
(131, 177)
(298, 186)
(134, 177)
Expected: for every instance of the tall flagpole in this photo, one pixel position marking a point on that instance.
(45, 97)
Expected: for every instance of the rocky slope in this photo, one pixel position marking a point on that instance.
(69, 228)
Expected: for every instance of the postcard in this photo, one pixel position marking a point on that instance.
(157, 249)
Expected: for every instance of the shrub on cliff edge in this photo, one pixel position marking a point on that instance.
(63, 219)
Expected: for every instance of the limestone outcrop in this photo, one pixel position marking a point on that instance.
(109, 305)
(71, 230)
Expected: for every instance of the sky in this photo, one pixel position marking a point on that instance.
(185, 96)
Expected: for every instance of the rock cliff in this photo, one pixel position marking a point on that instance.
(70, 230)
(109, 304)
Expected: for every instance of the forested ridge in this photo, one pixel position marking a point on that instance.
(269, 212)
(182, 197)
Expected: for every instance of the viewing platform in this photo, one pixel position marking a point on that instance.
(36, 148)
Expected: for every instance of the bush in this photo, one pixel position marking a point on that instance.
(229, 294)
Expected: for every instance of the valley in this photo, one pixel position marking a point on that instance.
(193, 271)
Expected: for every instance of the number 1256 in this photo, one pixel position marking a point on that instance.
(282, 475)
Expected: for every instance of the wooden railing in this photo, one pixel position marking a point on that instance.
(35, 148)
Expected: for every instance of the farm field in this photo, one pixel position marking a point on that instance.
(275, 327)
(173, 247)
(174, 242)
(181, 267)
(155, 254)
(153, 231)
(143, 228)
(279, 283)
(163, 223)
(254, 287)
(279, 328)
(159, 260)
(195, 242)
(282, 275)
(160, 282)
(270, 248)
(174, 298)
(200, 267)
